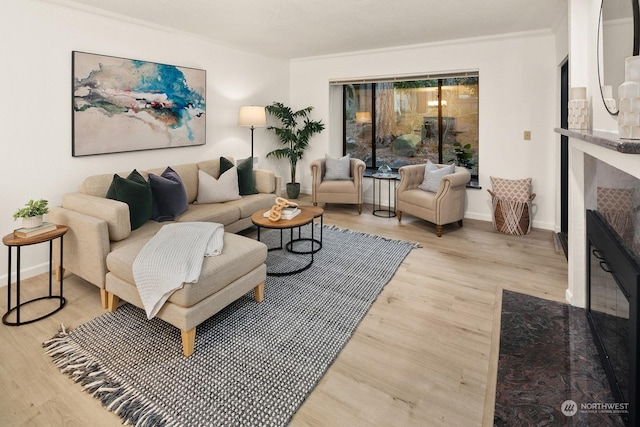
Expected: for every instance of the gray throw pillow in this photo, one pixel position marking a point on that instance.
(431, 167)
(433, 175)
(336, 169)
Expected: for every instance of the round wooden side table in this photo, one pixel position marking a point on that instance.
(306, 216)
(18, 242)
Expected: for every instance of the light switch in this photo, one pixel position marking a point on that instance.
(527, 135)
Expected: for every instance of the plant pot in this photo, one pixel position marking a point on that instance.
(293, 190)
(32, 221)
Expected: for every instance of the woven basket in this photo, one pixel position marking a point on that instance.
(511, 217)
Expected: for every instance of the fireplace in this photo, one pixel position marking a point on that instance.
(613, 280)
(604, 182)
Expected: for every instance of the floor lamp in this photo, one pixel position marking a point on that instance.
(252, 116)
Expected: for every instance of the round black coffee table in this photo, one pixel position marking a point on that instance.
(306, 216)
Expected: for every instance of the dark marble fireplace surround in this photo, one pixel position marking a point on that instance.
(612, 252)
(613, 278)
(612, 309)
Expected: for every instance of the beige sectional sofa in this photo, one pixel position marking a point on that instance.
(100, 245)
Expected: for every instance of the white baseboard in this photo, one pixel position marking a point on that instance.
(26, 273)
(568, 295)
(543, 225)
(478, 216)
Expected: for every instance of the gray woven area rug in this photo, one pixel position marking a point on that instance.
(254, 363)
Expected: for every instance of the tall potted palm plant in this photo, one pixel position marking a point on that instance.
(294, 136)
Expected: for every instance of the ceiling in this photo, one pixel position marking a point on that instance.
(301, 28)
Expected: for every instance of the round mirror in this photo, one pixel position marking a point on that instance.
(616, 41)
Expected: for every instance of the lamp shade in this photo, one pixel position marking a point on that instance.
(252, 116)
(434, 103)
(363, 117)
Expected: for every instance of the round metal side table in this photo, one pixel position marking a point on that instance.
(378, 210)
(18, 242)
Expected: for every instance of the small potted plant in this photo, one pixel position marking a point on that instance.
(294, 136)
(32, 213)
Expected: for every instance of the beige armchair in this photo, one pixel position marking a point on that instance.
(442, 207)
(347, 191)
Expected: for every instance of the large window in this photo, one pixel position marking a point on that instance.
(409, 122)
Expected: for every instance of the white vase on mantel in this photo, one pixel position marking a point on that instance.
(578, 109)
(629, 97)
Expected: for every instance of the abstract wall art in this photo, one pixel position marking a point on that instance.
(129, 105)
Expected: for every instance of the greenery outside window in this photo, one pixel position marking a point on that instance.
(412, 121)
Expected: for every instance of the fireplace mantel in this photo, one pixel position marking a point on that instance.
(605, 139)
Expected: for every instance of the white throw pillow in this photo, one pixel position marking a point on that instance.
(223, 189)
(433, 175)
(336, 169)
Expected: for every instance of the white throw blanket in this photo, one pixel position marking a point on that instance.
(172, 257)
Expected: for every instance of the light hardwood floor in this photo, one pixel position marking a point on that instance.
(425, 354)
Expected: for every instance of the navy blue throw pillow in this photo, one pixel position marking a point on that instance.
(169, 197)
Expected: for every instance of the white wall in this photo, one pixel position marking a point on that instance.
(583, 59)
(518, 92)
(35, 78)
(617, 45)
(583, 37)
(562, 45)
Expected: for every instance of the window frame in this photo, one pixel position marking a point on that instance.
(441, 131)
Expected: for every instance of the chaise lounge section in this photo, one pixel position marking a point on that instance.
(224, 278)
(101, 246)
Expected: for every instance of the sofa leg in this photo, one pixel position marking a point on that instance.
(258, 292)
(399, 216)
(112, 302)
(59, 273)
(360, 209)
(438, 230)
(460, 223)
(315, 203)
(104, 298)
(188, 341)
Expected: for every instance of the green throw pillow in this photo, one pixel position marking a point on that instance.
(246, 181)
(225, 165)
(135, 191)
